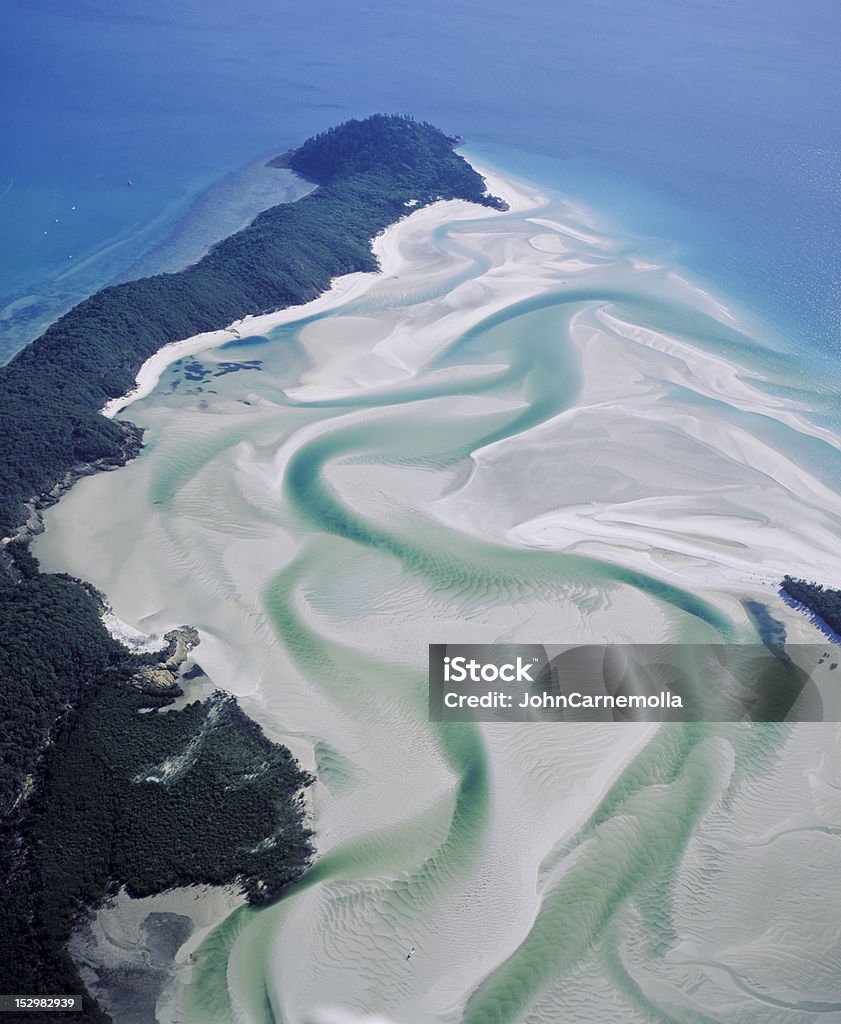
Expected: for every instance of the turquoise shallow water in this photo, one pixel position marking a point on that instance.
(608, 455)
(319, 542)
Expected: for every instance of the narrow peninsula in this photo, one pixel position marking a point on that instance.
(371, 174)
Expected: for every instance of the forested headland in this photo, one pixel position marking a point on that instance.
(88, 802)
(99, 789)
(52, 391)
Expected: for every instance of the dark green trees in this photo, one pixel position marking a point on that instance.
(51, 392)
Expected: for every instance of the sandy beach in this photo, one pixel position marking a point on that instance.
(521, 430)
(392, 249)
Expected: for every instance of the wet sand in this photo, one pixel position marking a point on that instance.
(522, 430)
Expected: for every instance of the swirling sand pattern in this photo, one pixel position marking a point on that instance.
(519, 432)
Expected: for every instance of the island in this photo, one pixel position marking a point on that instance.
(103, 784)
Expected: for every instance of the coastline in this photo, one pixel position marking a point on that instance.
(609, 416)
(266, 564)
(135, 953)
(387, 249)
(613, 353)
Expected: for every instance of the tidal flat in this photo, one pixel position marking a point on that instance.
(522, 430)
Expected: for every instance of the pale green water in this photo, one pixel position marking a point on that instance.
(542, 477)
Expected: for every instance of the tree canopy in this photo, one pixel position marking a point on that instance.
(52, 391)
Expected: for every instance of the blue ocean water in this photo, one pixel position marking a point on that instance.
(711, 127)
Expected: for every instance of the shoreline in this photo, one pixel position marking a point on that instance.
(142, 950)
(639, 545)
(373, 793)
(386, 247)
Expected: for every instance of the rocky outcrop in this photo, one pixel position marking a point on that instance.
(34, 523)
(162, 677)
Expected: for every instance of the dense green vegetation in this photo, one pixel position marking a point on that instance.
(51, 645)
(397, 150)
(824, 603)
(101, 808)
(51, 392)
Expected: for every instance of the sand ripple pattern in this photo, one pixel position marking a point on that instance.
(521, 431)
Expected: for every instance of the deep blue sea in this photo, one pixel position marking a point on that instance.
(711, 127)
